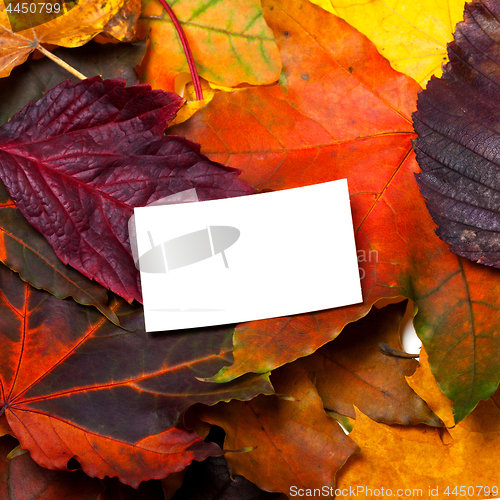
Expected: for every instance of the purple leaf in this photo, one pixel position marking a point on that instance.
(458, 125)
(80, 159)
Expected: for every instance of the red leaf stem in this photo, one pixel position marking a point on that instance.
(187, 51)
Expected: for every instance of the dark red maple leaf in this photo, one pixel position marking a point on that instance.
(80, 159)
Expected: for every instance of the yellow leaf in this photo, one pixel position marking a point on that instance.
(222, 87)
(72, 29)
(191, 106)
(412, 34)
(417, 462)
(122, 25)
(424, 384)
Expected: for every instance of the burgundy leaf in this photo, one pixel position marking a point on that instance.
(80, 159)
(457, 149)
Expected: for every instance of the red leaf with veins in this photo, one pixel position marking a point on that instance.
(80, 159)
(74, 385)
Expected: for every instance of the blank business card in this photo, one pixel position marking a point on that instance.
(247, 258)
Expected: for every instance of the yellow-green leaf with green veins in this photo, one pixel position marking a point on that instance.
(230, 41)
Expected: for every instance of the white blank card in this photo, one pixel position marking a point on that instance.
(247, 258)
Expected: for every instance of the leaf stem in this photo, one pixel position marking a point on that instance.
(389, 351)
(187, 51)
(61, 63)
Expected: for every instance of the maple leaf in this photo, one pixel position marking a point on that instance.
(412, 35)
(339, 111)
(21, 477)
(342, 112)
(230, 41)
(419, 458)
(73, 385)
(283, 455)
(74, 28)
(79, 160)
(351, 370)
(456, 148)
(312, 128)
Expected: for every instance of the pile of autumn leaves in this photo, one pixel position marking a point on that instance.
(317, 101)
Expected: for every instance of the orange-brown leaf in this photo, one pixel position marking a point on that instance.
(351, 370)
(4, 426)
(122, 26)
(296, 443)
(424, 384)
